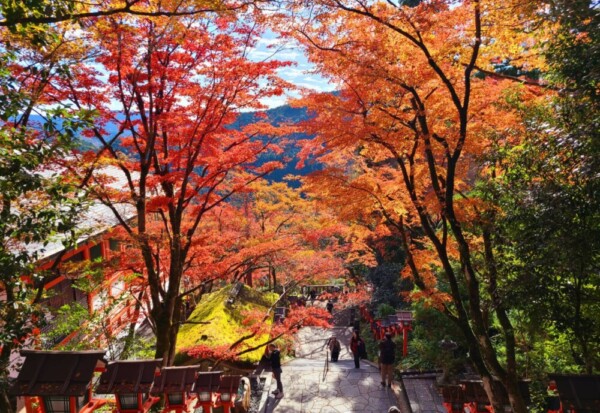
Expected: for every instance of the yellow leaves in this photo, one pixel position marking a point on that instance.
(220, 325)
(513, 30)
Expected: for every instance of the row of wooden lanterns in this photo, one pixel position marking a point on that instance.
(61, 382)
(470, 394)
(574, 393)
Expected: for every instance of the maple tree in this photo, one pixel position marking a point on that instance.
(166, 155)
(257, 331)
(277, 238)
(291, 240)
(405, 134)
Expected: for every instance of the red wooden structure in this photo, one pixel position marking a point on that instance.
(470, 395)
(206, 389)
(228, 390)
(130, 381)
(175, 384)
(64, 291)
(58, 381)
(578, 393)
(405, 319)
(401, 322)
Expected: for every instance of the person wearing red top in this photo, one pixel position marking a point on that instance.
(357, 346)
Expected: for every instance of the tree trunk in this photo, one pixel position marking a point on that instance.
(164, 337)
(167, 318)
(515, 398)
(479, 362)
(178, 313)
(496, 382)
(509, 377)
(6, 404)
(274, 275)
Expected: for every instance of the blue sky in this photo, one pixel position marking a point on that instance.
(271, 47)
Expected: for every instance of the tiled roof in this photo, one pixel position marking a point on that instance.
(175, 379)
(128, 376)
(580, 390)
(51, 373)
(97, 219)
(208, 381)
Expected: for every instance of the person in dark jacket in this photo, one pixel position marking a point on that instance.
(387, 357)
(275, 357)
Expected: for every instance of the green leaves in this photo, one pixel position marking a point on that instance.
(37, 202)
(17, 15)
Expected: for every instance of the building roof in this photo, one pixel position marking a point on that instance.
(53, 373)
(208, 381)
(128, 376)
(175, 379)
(97, 219)
(582, 391)
(229, 384)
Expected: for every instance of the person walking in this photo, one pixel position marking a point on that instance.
(275, 357)
(357, 346)
(387, 356)
(329, 306)
(334, 347)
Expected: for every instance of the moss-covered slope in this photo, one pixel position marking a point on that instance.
(214, 323)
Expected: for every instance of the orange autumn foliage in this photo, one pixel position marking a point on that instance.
(418, 105)
(166, 92)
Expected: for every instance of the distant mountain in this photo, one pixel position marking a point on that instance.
(38, 121)
(276, 116)
(279, 116)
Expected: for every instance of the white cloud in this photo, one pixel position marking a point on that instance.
(301, 74)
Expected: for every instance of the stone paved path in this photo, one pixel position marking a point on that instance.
(342, 389)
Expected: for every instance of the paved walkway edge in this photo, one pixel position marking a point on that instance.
(262, 406)
(402, 398)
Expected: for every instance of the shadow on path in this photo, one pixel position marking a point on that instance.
(308, 387)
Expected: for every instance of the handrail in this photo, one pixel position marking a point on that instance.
(326, 368)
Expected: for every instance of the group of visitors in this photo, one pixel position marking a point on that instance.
(387, 354)
(387, 357)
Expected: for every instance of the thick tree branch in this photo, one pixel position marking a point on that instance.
(128, 8)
